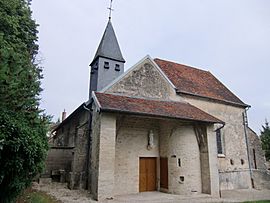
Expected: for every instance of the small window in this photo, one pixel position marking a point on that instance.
(117, 67)
(254, 159)
(232, 162)
(242, 162)
(106, 65)
(179, 162)
(219, 142)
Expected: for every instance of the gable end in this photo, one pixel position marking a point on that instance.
(145, 79)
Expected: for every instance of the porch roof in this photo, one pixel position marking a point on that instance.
(150, 107)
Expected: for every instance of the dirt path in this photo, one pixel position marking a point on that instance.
(62, 193)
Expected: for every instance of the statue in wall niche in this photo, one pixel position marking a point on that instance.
(150, 140)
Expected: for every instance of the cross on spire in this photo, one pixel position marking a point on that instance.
(111, 9)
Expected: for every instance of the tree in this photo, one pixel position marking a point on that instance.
(265, 138)
(23, 127)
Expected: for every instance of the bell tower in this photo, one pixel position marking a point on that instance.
(108, 63)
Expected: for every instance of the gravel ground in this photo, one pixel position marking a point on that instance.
(62, 193)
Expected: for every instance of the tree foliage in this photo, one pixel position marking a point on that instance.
(23, 142)
(265, 138)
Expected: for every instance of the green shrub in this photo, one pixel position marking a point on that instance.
(265, 138)
(23, 151)
(23, 142)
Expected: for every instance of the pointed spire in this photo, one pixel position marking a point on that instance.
(109, 47)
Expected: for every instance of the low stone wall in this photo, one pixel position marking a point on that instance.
(256, 153)
(58, 159)
(261, 179)
(233, 180)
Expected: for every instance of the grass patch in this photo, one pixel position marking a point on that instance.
(260, 201)
(33, 196)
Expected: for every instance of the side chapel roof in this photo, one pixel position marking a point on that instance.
(141, 106)
(109, 47)
(193, 81)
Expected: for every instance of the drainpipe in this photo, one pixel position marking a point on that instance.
(89, 143)
(245, 123)
(223, 125)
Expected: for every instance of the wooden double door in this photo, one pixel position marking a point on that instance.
(148, 175)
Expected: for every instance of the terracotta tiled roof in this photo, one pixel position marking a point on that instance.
(168, 109)
(198, 82)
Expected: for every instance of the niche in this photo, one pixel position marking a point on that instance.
(182, 179)
(150, 144)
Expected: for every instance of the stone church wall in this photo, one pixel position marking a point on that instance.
(261, 179)
(174, 140)
(179, 144)
(58, 158)
(79, 162)
(101, 176)
(69, 150)
(93, 176)
(257, 157)
(260, 174)
(144, 81)
(106, 179)
(131, 144)
(233, 166)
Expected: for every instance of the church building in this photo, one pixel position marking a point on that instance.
(159, 126)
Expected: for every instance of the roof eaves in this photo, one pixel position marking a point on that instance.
(110, 110)
(214, 99)
(106, 57)
(96, 100)
(69, 117)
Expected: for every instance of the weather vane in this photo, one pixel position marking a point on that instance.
(111, 9)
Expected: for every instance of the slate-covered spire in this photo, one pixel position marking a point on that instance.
(108, 63)
(109, 47)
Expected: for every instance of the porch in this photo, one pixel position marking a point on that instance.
(148, 145)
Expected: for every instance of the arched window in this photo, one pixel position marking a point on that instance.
(220, 149)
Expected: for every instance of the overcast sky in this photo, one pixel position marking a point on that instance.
(230, 38)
